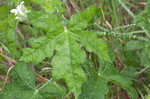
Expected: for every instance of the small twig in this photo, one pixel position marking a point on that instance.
(143, 70)
(2, 77)
(6, 78)
(75, 6)
(108, 25)
(19, 32)
(93, 1)
(103, 15)
(98, 3)
(6, 63)
(8, 58)
(142, 3)
(11, 61)
(68, 10)
(105, 21)
(41, 78)
(1, 50)
(46, 68)
(118, 56)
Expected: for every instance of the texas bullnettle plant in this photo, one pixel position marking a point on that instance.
(77, 56)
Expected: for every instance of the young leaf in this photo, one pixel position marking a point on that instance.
(81, 20)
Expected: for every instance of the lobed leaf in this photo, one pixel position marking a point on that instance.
(67, 62)
(39, 51)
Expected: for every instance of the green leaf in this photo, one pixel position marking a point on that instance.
(147, 97)
(9, 34)
(134, 45)
(129, 71)
(48, 90)
(47, 22)
(42, 48)
(94, 89)
(4, 12)
(26, 74)
(111, 74)
(81, 20)
(69, 56)
(15, 91)
(94, 44)
(67, 61)
(144, 57)
(52, 90)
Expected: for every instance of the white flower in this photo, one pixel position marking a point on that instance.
(20, 12)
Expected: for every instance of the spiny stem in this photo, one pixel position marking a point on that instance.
(121, 36)
(132, 14)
